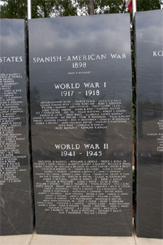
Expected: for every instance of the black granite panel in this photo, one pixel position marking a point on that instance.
(16, 215)
(80, 82)
(149, 60)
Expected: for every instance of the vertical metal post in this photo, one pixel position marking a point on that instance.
(29, 9)
(134, 7)
(91, 7)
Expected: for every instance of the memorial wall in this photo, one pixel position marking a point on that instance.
(149, 116)
(81, 122)
(81, 125)
(16, 214)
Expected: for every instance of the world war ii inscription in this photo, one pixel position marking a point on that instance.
(80, 81)
(15, 181)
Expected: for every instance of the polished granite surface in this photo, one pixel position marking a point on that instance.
(16, 215)
(81, 107)
(149, 116)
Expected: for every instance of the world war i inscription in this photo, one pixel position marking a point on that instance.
(16, 214)
(81, 98)
(149, 55)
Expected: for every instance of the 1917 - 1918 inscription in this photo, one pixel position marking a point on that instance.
(81, 93)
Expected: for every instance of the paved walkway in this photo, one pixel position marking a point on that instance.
(35, 239)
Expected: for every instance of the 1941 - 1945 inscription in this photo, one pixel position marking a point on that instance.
(80, 81)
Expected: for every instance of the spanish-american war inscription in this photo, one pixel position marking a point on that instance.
(15, 183)
(149, 55)
(80, 81)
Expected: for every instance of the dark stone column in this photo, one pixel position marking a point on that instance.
(16, 212)
(81, 105)
(149, 113)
